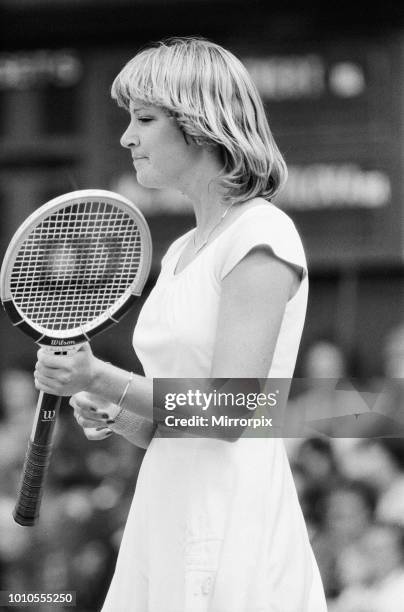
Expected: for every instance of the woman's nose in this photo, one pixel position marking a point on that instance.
(129, 139)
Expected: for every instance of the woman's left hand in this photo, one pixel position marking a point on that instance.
(65, 375)
(93, 414)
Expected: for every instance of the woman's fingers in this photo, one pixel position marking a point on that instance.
(54, 386)
(93, 429)
(89, 416)
(89, 401)
(84, 407)
(48, 359)
(47, 385)
(93, 406)
(65, 374)
(51, 373)
(91, 419)
(88, 422)
(97, 434)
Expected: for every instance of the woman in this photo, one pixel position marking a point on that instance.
(213, 525)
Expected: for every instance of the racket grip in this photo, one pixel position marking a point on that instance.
(37, 461)
(36, 464)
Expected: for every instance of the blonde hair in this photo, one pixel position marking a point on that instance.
(215, 102)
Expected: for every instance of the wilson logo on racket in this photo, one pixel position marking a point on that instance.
(72, 270)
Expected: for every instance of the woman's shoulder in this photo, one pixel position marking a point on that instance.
(260, 223)
(262, 218)
(266, 210)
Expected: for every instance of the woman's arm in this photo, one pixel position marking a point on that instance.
(252, 305)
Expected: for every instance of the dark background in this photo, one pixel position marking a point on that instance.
(60, 131)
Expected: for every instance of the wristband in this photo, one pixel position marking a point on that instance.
(134, 428)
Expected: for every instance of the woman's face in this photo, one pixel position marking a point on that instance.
(161, 155)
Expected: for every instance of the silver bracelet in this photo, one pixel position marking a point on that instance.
(125, 390)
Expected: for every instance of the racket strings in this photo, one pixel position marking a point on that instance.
(76, 264)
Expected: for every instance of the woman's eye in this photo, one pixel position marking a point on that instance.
(145, 119)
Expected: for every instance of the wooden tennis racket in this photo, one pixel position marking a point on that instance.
(72, 269)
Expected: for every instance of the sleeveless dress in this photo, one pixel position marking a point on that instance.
(215, 526)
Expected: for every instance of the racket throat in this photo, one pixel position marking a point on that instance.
(47, 411)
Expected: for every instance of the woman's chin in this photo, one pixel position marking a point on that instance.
(148, 182)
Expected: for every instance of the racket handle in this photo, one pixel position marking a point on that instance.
(37, 460)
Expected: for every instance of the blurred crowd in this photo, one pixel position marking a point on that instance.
(352, 496)
(351, 489)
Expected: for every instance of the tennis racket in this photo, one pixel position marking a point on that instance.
(72, 269)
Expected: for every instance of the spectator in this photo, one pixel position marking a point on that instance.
(381, 586)
(347, 510)
(315, 470)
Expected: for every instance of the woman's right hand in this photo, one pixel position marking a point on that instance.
(93, 414)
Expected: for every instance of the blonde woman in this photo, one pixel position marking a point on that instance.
(214, 526)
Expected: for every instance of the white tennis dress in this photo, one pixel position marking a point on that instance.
(215, 526)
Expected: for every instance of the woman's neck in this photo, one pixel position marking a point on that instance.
(205, 193)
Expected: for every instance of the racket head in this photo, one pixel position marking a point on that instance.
(75, 266)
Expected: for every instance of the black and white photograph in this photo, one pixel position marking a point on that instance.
(202, 322)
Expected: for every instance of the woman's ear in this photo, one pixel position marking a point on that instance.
(212, 147)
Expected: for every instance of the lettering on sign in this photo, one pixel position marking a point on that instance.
(306, 76)
(38, 68)
(279, 78)
(335, 186)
